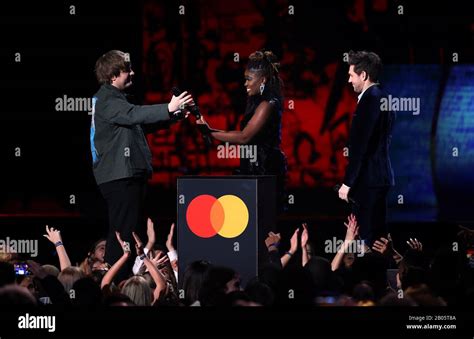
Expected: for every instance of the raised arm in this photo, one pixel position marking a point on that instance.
(112, 272)
(293, 247)
(385, 247)
(121, 112)
(351, 233)
(150, 232)
(304, 246)
(272, 242)
(54, 236)
(155, 273)
(172, 253)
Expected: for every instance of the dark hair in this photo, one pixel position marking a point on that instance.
(213, 287)
(111, 64)
(367, 62)
(7, 273)
(117, 298)
(266, 64)
(260, 293)
(94, 246)
(87, 292)
(192, 280)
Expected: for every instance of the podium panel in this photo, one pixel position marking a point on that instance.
(225, 220)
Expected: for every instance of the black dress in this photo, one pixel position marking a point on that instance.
(270, 158)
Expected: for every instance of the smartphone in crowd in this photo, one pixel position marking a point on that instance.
(22, 269)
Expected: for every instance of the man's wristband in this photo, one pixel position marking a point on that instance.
(289, 253)
(143, 256)
(58, 243)
(275, 244)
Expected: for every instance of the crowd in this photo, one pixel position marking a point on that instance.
(293, 274)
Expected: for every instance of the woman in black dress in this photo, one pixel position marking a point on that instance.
(261, 123)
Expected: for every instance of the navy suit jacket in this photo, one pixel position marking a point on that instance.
(369, 142)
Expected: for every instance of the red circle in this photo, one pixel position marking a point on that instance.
(198, 216)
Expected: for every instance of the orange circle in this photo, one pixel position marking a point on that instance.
(217, 216)
(207, 216)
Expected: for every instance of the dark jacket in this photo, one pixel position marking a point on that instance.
(118, 144)
(369, 142)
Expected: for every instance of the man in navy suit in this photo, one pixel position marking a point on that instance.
(369, 173)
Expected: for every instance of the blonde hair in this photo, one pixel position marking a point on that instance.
(138, 290)
(69, 276)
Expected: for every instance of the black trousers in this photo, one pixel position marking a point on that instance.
(125, 202)
(371, 212)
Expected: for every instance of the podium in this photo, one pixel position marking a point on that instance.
(225, 220)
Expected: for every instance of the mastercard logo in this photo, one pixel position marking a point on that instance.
(207, 216)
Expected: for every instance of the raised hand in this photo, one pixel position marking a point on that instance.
(150, 231)
(294, 241)
(272, 241)
(304, 236)
(384, 246)
(415, 244)
(52, 235)
(138, 244)
(169, 240)
(160, 260)
(381, 246)
(125, 245)
(352, 228)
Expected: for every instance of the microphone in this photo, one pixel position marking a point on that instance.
(338, 187)
(193, 109)
(197, 114)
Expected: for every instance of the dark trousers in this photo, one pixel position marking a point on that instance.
(371, 212)
(125, 202)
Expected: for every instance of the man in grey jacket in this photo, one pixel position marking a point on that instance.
(120, 154)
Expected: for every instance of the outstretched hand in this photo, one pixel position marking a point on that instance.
(180, 101)
(384, 245)
(160, 260)
(415, 244)
(352, 228)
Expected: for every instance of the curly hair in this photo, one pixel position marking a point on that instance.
(267, 65)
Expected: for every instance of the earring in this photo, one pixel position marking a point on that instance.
(262, 88)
